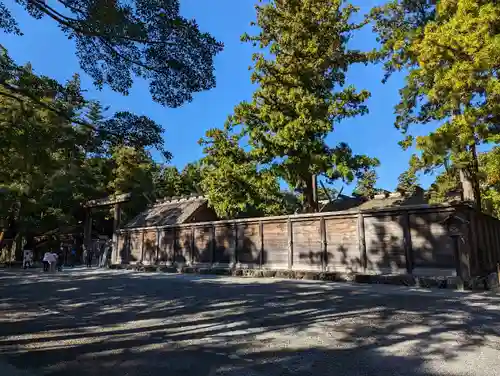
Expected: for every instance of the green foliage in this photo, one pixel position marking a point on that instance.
(232, 180)
(191, 175)
(119, 40)
(169, 181)
(132, 172)
(444, 184)
(38, 149)
(489, 175)
(365, 185)
(293, 203)
(450, 50)
(408, 180)
(489, 164)
(301, 72)
(67, 106)
(326, 193)
(58, 150)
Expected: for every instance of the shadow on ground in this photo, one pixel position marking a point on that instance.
(121, 323)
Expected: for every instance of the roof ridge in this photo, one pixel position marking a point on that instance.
(174, 199)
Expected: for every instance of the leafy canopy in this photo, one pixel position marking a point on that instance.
(489, 177)
(232, 180)
(366, 184)
(58, 149)
(169, 181)
(119, 40)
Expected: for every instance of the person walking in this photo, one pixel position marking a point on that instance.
(72, 257)
(90, 255)
(52, 261)
(46, 263)
(59, 261)
(27, 258)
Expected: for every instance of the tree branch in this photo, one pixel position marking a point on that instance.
(69, 22)
(41, 104)
(138, 63)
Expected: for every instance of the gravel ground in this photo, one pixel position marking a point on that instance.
(83, 323)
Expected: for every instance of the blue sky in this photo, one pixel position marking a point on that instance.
(51, 54)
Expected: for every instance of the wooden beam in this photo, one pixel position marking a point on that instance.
(87, 230)
(290, 243)
(236, 243)
(110, 200)
(158, 244)
(116, 226)
(324, 254)
(261, 235)
(361, 242)
(407, 243)
(191, 252)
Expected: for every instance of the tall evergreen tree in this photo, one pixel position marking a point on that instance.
(301, 73)
(450, 51)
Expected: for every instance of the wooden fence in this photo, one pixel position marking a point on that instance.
(398, 240)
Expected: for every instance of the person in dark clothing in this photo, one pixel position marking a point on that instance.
(90, 255)
(73, 256)
(60, 261)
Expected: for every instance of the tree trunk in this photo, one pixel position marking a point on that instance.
(310, 194)
(467, 190)
(10, 230)
(469, 179)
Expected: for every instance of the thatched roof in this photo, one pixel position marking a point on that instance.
(392, 200)
(380, 201)
(172, 211)
(341, 203)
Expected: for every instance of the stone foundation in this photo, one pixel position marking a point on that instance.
(489, 282)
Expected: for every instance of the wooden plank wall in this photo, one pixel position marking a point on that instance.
(384, 237)
(248, 249)
(486, 232)
(275, 245)
(398, 241)
(431, 244)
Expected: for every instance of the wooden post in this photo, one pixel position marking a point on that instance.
(174, 246)
(492, 250)
(261, 234)
(480, 249)
(157, 258)
(496, 242)
(87, 233)
(458, 263)
(487, 242)
(361, 242)
(192, 246)
(464, 251)
(142, 246)
(235, 226)
(407, 243)
(457, 231)
(116, 227)
(315, 192)
(290, 243)
(212, 244)
(472, 241)
(324, 255)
